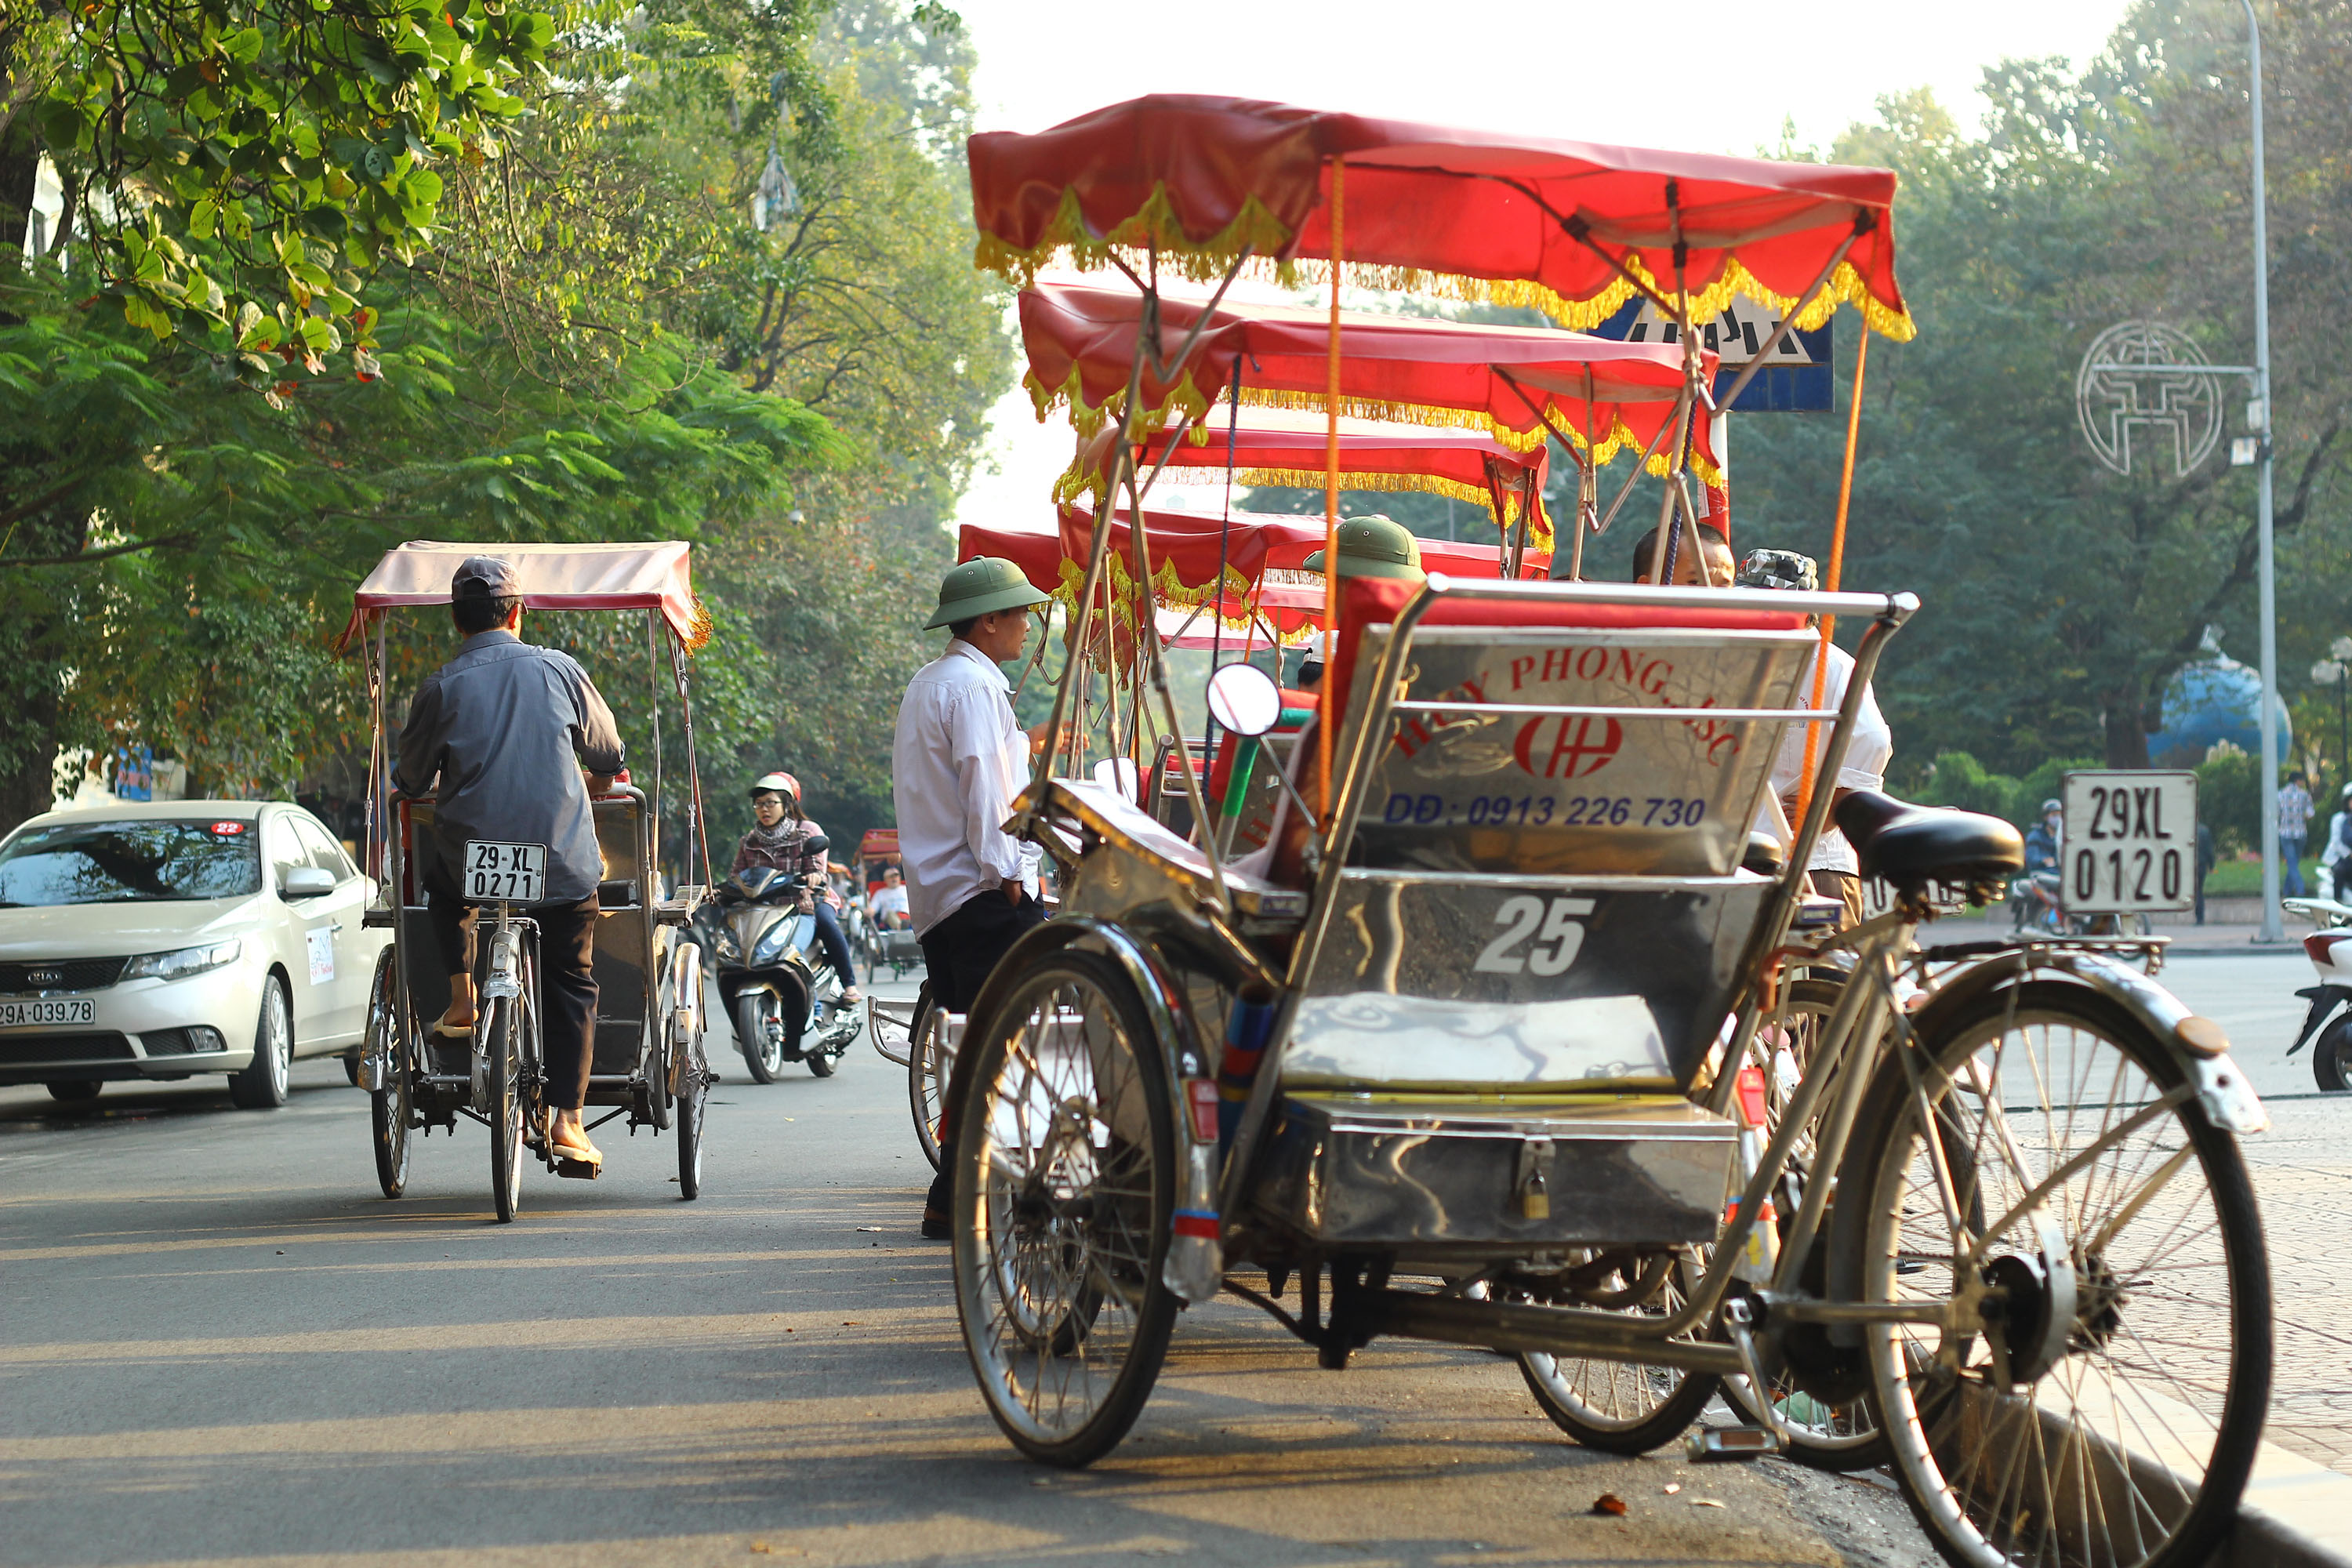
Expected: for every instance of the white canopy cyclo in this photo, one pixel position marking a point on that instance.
(648, 1065)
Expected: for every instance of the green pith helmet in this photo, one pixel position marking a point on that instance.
(1374, 547)
(980, 586)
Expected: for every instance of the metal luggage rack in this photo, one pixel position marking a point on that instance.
(2146, 950)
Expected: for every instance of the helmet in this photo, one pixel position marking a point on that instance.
(782, 783)
(1779, 569)
(1373, 547)
(2050, 805)
(980, 586)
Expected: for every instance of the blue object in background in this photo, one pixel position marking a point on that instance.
(2215, 698)
(1798, 381)
(134, 772)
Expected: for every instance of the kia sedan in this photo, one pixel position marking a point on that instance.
(148, 941)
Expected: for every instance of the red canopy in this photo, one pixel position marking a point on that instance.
(1514, 219)
(653, 575)
(1278, 447)
(1265, 556)
(1602, 394)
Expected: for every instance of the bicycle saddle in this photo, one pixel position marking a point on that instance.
(1912, 845)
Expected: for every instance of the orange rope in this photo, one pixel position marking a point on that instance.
(1836, 571)
(1330, 697)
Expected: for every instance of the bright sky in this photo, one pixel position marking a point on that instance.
(1564, 67)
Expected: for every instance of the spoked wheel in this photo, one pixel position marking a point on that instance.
(1620, 1407)
(693, 1096)
(927, 1065)
(506, 1106)
(391, 1107)
(760, 1030)
(1831, 1423)
(1065, 1181)
(2098, 1395)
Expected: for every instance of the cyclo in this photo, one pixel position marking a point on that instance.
(649, 1064)
(1536, 1055)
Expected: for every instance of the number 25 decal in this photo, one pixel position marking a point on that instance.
(1557, 934)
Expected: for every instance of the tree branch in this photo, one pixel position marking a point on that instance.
(165, 541)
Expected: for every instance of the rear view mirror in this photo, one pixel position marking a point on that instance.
(306, 882)
(816, 844)
(1243, 699)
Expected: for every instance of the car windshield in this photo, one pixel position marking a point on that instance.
(129, 862)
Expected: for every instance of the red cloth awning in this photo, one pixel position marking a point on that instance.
(1600, 393)
(1490, 216)
(1265, 557)
(653, 575)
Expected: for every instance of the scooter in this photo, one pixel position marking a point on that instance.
(780, 992)
(2328, 1027)
(2033, 902)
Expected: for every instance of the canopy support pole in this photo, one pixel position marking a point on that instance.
(1837, 566)
(653, 675)
(1330, 705)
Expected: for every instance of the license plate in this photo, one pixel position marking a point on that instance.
(2130, 842)
(48, 1010)
(505, 873)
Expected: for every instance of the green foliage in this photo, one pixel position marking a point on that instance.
(2060, 597)
(238, 166)
(2228, 799)
(1959, 780)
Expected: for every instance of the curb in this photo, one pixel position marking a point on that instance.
(2312, 1527)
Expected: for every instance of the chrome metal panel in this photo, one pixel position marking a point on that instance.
(1345, 1172)
(1127, 860)
(1569, 983)
(1523, 790)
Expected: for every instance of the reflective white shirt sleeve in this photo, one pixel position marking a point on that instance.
(1872, 748)
(957, 761)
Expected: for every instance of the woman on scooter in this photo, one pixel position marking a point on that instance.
(781, 843)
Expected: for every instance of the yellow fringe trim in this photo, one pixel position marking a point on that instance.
(1154, 226)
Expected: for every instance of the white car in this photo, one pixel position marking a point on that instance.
(160, 941)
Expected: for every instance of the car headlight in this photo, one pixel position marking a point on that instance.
(183, 963)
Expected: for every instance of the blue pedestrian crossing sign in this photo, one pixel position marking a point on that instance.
(1797, 379)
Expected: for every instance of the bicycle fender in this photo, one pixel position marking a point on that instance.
(2198, 1045)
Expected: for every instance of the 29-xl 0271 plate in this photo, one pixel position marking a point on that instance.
(505, 873)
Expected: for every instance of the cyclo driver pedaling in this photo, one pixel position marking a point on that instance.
(537, 967)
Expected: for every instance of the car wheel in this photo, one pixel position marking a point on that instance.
(75, 1091)
(262, 1085)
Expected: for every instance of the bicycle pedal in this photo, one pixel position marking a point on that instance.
(580, 1170)
(1713, 1445)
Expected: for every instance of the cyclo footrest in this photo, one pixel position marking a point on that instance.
(1444, 1173)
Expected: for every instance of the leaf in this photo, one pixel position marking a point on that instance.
(201, 218)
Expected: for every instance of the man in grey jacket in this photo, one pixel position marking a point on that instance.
(506, 728)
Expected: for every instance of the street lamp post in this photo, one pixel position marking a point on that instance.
(2271, 929)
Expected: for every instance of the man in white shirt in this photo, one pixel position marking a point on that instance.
(958, 759)
(1835, 869)
(887, 907)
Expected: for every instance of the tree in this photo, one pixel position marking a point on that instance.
(2062, 598)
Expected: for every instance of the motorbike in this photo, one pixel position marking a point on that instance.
(2328, 1027)
(2033, 903)
(780, 992)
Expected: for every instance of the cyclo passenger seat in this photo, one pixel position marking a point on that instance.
(1912, 845)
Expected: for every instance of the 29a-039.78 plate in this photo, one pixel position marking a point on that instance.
(47, 1010)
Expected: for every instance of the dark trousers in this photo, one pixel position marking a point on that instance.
(835, 945)
(567, 980)
(959, 955)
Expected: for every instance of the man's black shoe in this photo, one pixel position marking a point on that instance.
(935, 1225)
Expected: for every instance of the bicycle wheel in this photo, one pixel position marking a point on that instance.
(1824, 1401)
(1064, 1165)
(2104, 1403)
(389, 1108)
(927, 1065)
(1621, 1408)
(506, 1106)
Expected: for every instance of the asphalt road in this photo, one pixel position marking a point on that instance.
(218, 1344)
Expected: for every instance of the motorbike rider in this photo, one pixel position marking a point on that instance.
(2041, 840)
(500, 736)
(781, 842)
